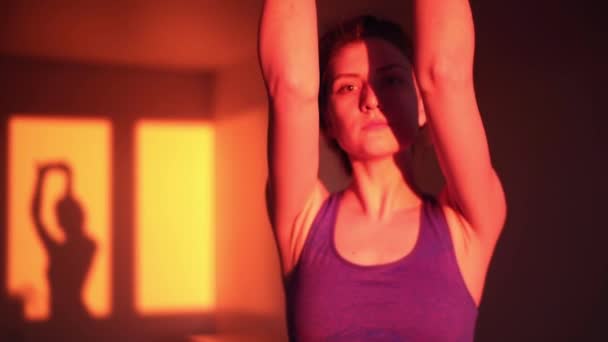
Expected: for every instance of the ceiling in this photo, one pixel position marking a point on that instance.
(186, 34)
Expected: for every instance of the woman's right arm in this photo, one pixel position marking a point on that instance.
(41, 229)
(288, 52)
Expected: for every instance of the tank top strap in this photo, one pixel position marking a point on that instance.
(434, 225)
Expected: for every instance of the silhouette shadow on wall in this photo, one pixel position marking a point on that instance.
(70, 263)
(70, 260)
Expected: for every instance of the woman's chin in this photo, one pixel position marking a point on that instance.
(379, 152)
(381, 147)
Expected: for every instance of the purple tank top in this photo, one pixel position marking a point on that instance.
(420, 297)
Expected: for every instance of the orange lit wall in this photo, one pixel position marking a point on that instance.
(249, 288)
(85, 146)
(175, 217)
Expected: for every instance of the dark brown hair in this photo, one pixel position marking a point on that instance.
(349, 31)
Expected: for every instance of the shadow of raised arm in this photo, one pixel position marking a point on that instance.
(41, 229)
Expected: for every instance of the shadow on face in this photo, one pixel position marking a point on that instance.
(369, 83)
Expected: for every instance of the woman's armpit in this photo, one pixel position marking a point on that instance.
(301, 225)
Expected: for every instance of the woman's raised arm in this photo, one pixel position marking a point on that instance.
(36, 210)
(444, 39)
(288, 52)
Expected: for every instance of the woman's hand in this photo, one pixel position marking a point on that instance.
(61, 166)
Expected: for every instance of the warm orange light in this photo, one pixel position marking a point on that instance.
(84, 145)
(175, 217)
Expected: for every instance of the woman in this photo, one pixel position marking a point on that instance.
(378, 260)
(69, 261)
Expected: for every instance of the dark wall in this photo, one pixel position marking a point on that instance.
(538, 72)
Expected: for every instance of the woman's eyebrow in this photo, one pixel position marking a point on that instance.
(347, 74)
(383, 68)
(392, 66)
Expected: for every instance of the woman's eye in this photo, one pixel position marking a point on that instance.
(346, 88)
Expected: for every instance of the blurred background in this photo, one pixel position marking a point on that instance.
(133, 139)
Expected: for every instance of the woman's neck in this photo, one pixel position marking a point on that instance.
(381, 187)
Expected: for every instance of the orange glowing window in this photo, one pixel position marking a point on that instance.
(174, 220)
(59, 216)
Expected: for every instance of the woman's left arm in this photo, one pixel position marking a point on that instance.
(445, 43)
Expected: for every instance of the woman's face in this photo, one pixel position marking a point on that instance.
(372, 99)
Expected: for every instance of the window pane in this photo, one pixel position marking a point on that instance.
(175, 240)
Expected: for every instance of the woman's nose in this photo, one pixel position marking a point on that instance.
(368, 98)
